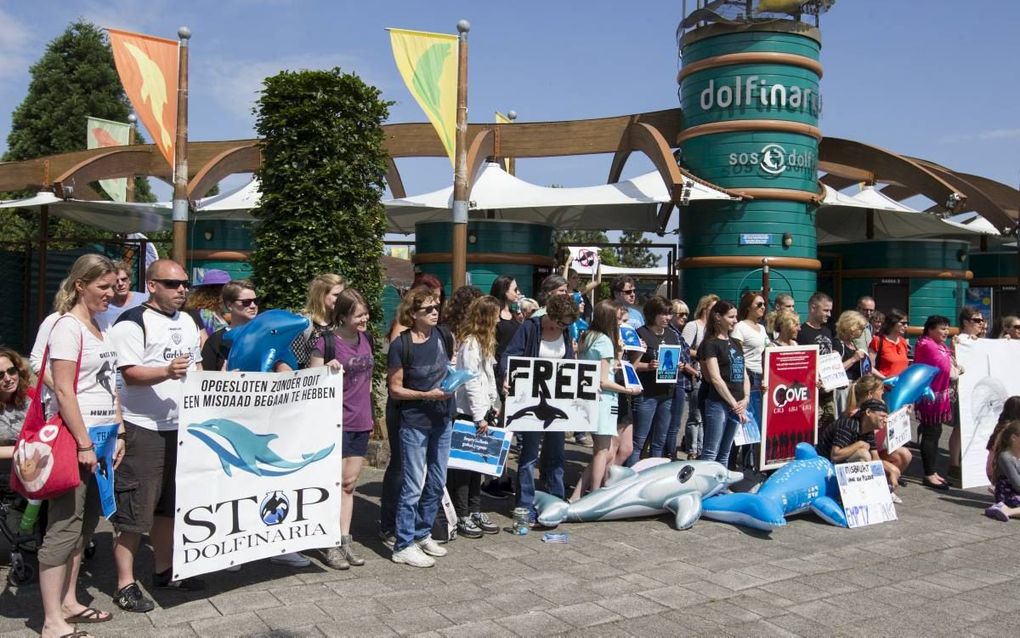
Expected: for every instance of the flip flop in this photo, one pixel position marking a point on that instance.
(89, 615)
(77, 634)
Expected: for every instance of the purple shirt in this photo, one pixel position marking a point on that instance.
(357, 362)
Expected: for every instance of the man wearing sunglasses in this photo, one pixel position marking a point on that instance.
(157, 345)
(242, 304)
(625, 292)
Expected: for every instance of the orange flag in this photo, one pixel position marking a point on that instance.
(148, 70)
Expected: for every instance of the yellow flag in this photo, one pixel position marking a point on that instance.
(147, 67)
(428, 64)
(508, 162)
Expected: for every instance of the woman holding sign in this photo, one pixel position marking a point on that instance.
(349, 346)
(654, 406)
(932, 350)
(83, 362)
(478, 402)
(416, 367)
(601, 342)
(730, 386)
(889, 346)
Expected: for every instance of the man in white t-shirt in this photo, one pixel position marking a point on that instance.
(123, 298)
(157, 345)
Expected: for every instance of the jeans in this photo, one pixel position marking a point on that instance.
(423, 453)
(393, 476)
(754, 401)
(694, 432)
(651, 421)
(465, 487)
(551, 462)
(676, 426)
(720, 426)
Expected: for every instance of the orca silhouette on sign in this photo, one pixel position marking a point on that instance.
(543, 412)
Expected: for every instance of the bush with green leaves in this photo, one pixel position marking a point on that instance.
(322, 174)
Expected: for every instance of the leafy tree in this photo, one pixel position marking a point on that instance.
(322, 178)
(636, 256)
(75, 78)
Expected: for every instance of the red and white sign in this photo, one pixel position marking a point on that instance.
(790, 404)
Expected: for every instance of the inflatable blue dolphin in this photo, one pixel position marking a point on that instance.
(269, 338)
(806, 483)
(910, 385)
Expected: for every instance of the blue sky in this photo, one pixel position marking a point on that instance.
(934, 79)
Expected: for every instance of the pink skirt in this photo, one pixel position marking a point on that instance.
(935, 412)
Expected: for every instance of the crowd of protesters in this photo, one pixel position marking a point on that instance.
(112, 355)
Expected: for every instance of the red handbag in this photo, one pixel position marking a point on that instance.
(45, 462)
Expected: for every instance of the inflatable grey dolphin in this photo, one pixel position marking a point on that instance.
(676, 487)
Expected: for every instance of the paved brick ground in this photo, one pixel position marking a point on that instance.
(943, 569)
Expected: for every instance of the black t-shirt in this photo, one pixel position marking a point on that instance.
(215, 351)
(729, 353)
(653, 341)
(425, 370)
(821, 337)
(857, 370)
(505, 331)
(845, 431)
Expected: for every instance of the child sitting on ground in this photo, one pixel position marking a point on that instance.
(1006, 474)
(1010, 412)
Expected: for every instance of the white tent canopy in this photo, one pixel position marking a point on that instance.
(843, 218)
(629, 205)
(116, 217)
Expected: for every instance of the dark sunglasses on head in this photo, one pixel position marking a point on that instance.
(254, 301)
(173, 284)
(11, 371)
(428, 309)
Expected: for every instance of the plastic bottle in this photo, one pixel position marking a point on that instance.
(29, 517)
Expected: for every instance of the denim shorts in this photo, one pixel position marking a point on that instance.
(356, 443)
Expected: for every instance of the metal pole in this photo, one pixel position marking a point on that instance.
(129, 195)
(180, 206)
(765, 280)
(460, 176)
(511, 164)
(44, 232)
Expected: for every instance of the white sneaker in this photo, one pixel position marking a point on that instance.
(431, 547)
(895, 498)
(413, 556)
(291, 560)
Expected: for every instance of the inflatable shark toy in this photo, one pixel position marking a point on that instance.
(806, 483)
(910, 385)
(238, 447)
(543, 412)
(269, 338)
(676, 487)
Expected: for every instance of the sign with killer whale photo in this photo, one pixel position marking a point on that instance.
(258, 467)
(552, 395)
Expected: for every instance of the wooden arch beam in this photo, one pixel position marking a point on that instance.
(482, 147)
(977, 200)
(243, 158)
(887, 167)
(393, 179)
(112, 163)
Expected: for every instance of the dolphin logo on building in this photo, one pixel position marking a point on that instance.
(238, 447)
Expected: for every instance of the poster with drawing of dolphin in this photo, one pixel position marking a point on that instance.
(552, 395)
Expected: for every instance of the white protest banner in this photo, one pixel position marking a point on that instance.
(258, 467)
(669, 364)
(865, 493)
(484, 453)
(552, 395)
(831, 371)
(584, 260)
(896, 433)
(991, 374)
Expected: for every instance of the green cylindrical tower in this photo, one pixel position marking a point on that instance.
(751, 103)
(220, 244)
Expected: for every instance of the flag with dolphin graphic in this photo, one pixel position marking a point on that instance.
(147, 67)
(259, 458)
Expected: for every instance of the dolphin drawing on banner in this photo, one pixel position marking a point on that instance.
(238, 447)
(806, 483)
(677, 487)
(543, 412)
(265, 340)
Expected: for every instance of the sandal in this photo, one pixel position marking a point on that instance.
(89, 615)
(77, 634)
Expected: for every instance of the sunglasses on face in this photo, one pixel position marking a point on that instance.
(629, 292)
(428, 309)
(11, 371)
(977, 319)
(254, 301)
(173, 284)
(902, 323)
(680, 314)
(760, 304)
(562, 324)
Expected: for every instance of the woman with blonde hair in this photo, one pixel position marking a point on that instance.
(478, 402)
(694, 334)
(319, 304)
(787, 328)
(857, 363)
(83, 363)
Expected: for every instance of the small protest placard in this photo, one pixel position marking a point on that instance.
(669, 364)
(631, 340)
(865, 494)
(747, 432)
(484, 453)
(831, 371)
(896, 432)
(104, 438)
(552, 395)
(630, 377)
